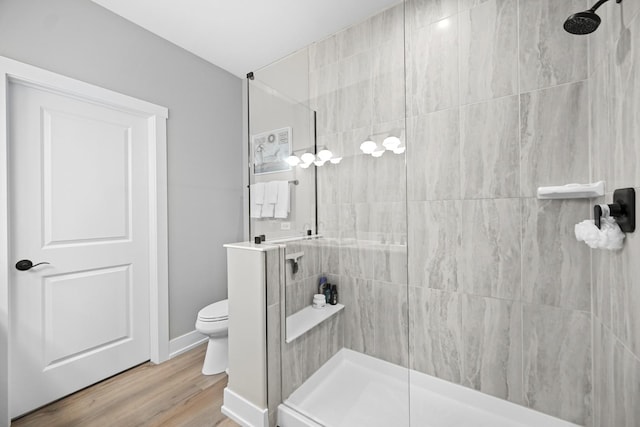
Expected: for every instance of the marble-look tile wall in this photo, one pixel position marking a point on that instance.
(446, 261)
(357, 87)
(614, 79)
(496, 104)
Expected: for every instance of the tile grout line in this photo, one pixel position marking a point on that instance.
(618, 340)
(460, 189)
(521, 206)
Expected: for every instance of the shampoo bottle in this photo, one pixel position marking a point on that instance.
(322, 284)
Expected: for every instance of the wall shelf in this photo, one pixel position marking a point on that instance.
(305, 319)
(572, 191)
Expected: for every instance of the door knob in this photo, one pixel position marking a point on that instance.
(26, 264)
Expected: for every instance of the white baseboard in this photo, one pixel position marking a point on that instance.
(185, 342)
(244, 412)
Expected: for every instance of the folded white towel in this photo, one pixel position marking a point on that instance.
(271, 193)
(267, 211)
(257, 192)
(270, 199)
(282, 205)
(257, 198)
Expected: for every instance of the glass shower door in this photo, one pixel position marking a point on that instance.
(349, 366)
(282, 200)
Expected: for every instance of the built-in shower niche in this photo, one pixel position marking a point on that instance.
(304, 268)
(306, 319)
(373, 320)
(310, 336)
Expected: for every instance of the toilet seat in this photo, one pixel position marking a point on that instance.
(216, 312)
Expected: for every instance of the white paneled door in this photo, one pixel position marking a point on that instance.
(78, 200)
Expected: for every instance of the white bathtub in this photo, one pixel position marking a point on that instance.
(355, 390)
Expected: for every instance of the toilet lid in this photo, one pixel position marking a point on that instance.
(216, 311)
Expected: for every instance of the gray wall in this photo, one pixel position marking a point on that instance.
(80, 39)
(614, 82)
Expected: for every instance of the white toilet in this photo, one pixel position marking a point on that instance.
(213, 321)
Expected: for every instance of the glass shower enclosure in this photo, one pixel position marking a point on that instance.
(337, 112)
(282, 196)
(419, 137)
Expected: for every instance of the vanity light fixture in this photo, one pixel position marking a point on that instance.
(391, 142)
(368, 146)
(325, 155)
(293, 160)
(308, 158)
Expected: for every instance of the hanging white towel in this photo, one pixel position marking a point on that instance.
(270, 199)
(257, 199)
(282, 205)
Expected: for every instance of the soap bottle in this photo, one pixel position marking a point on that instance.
(327, 293)
(322, 284)
(334, 295)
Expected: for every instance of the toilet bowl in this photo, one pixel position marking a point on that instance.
(213, 321)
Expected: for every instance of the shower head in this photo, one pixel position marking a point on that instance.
(585, 22)
(582, 23)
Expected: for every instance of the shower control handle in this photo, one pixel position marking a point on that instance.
(623, 209)
(26, 264)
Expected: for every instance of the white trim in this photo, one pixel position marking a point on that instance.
(185, 342)
(158, 244)
(4, 256)
(244, 412)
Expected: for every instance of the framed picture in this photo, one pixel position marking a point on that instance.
(270, 149)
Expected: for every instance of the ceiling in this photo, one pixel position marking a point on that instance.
(244, 35)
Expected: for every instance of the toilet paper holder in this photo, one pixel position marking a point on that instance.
(623, 209)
